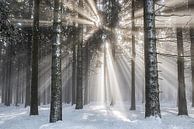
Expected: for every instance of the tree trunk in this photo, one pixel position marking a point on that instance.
(182, 103)
(28, 70)
(152, 105)
(56, 82)
(79, 100)
(18, 82)
(192, 62)
(79, 97)
(8, 89)
(86, 75)
(192, 51)
(74, 74)
(133, 59)
(35, 43)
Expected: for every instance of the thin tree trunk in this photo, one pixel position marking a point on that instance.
(79, 100)
(133, 106)
(28, 70)
(8, 76)
(152, 105)
(35, 43)
(182, 103)
(192, 62)
(86, 74)
(18, 82)
(192, 51)
(56, 79)
(74, 75)
(79, 97)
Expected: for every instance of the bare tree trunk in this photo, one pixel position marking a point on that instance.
(28, 70)
(182, 103)
(8, 97)
(86, 75)
(56, 79)
(192, 51)
(192, 62)
(79, 100)
(35, 43)
(74, 74)
(133, 107)
(152, 105)
(18, 82)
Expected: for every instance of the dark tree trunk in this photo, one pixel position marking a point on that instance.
(182, 103)
(86, 75)
(35, 43)
(79, 97)
(74, 74)
(192, 62)
(28, 69)
(56, 82)
(8, 89)
(152, 105)
(133, 59)
(18, 82)
(192, 51)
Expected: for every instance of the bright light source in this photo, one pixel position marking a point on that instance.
(19, 24)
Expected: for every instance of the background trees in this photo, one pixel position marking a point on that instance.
(73, 37)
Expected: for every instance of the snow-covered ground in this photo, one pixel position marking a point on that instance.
(93, 117)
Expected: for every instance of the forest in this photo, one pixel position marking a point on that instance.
(96, 64)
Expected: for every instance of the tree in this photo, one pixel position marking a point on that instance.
(192, 51)
(152, 105)
(192, 62)
(74, 72)
(182, 103)
(56, 83)
(133, 57)
(79, 96)
(35, 43)
(28, 69)
(28, 62)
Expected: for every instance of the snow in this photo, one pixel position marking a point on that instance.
(94, 117)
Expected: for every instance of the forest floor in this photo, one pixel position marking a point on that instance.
(93, 117)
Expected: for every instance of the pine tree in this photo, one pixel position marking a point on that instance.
(182, 103)
(79, 96)
(133, 57)
(35, 43)
(56, 83)
(152, 105)
(192, 62)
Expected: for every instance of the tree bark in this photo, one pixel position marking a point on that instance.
(192, 51)
(192, 62)
(74, 74)
(182, 103)
(133, 107)
(79, 100)
(86, 75)
(28, 70)
(152, 105)
(56, 79)
(34, 78)
(8, 89)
